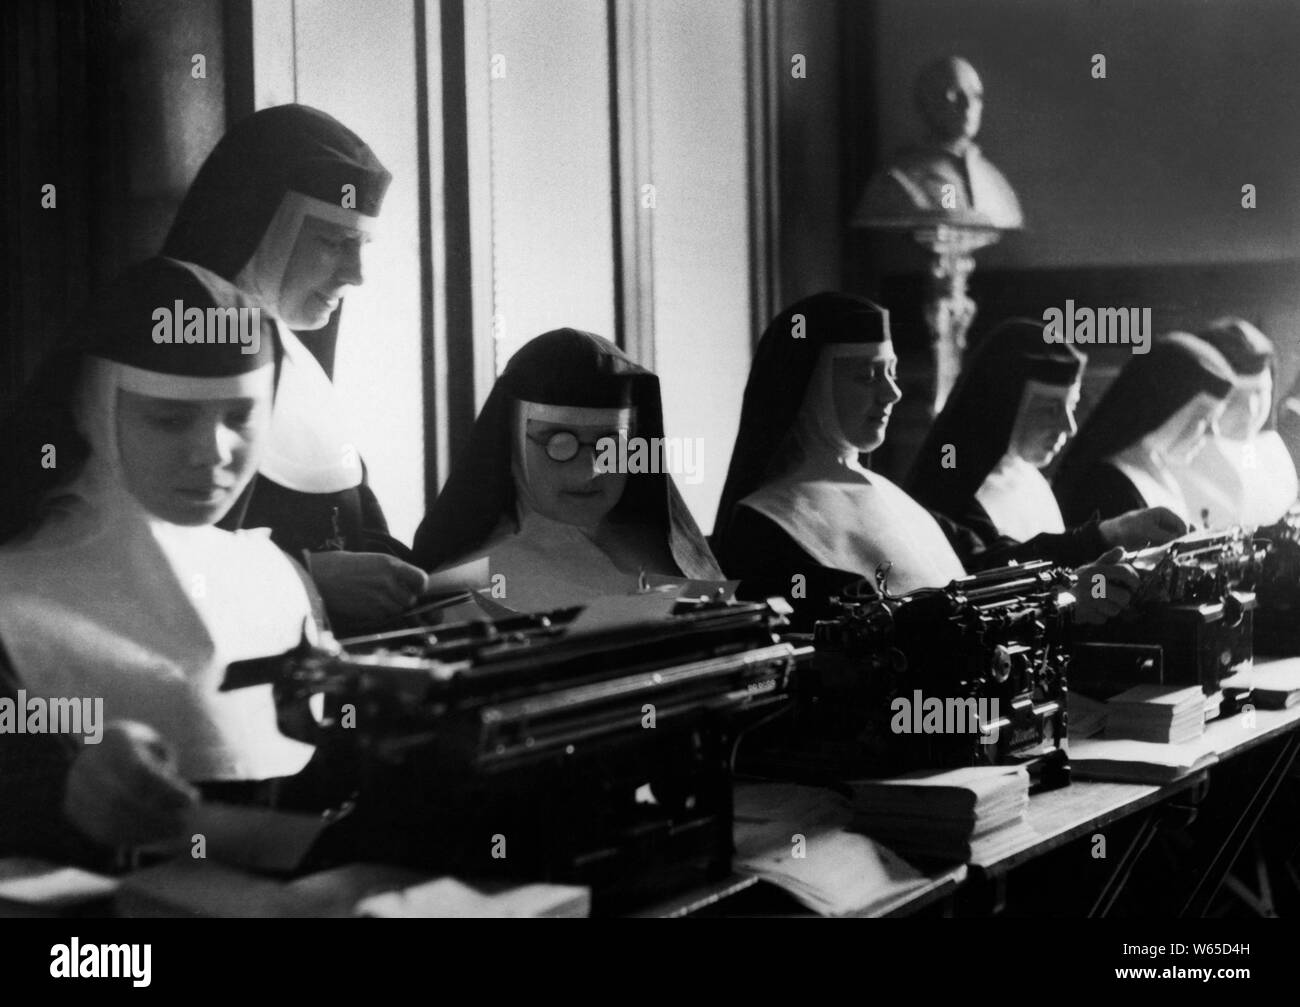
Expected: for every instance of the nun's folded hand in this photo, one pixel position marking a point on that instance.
(1105, 588)
(1138, 529)
(363, 589)
(125, 791)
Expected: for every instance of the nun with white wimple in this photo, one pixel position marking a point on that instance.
(800, 507)
(535, 493)
(282, 208)
(115, 584)
(1244, 475)
(1010, 413)
(1156, 415)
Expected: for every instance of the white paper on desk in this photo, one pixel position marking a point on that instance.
(1138, 761)
(40, 883)
(765, 812)
(1281, 677)
(973, 788)
(260, 839)
(446, 897)
(838, 873)
(621, 611)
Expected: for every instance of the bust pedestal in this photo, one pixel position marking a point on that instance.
(949, 310)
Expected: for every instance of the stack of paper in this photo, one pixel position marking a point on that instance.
(1159, 713)
(794, 837)
(1273, 685)
(936, 814)
(1138, 761)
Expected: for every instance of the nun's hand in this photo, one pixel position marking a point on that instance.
(365, 589)
(1141, 528)
(1105, 588)
(125, 791)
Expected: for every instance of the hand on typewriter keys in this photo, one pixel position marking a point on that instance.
(365, 589)
(1138, 529)
(125, 790)
(1099, 600)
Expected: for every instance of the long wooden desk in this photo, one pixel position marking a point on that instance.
(1054, 819)
(1057, 817)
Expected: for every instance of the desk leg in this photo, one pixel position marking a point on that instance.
(1212, 877)
(1260, 902)
(1114, 886)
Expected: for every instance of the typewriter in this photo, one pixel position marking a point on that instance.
(1195, 603)
(1277, 617)
(518, 749)
(970, 674)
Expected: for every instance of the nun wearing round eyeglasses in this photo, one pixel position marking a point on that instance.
(533, 492)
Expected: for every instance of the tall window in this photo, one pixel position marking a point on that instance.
(584, 163)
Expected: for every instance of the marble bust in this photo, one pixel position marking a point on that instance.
(946, 178)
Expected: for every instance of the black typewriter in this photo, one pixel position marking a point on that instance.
(516, 748)
(1195, 603)
(970, 674)
(1277, 617)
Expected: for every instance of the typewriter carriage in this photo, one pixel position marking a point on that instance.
(465, 734)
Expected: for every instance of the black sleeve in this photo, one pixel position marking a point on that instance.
(373, 534)
(350, 519)
(972, 516)
(33, 778)
(767, 561)
(980, 547)
(1104, 492)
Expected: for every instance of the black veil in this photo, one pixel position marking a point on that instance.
(571, 368)
(1151, 389)
(783, 365)
(979, 416)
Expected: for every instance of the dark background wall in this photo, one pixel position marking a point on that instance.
(99, 101)
(1131, 185)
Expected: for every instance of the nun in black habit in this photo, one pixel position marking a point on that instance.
(1011, 412)
(1157, 414)
(801, 513)
(115, 582)
(281, 208)
(1244, 474)
(538, 490)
